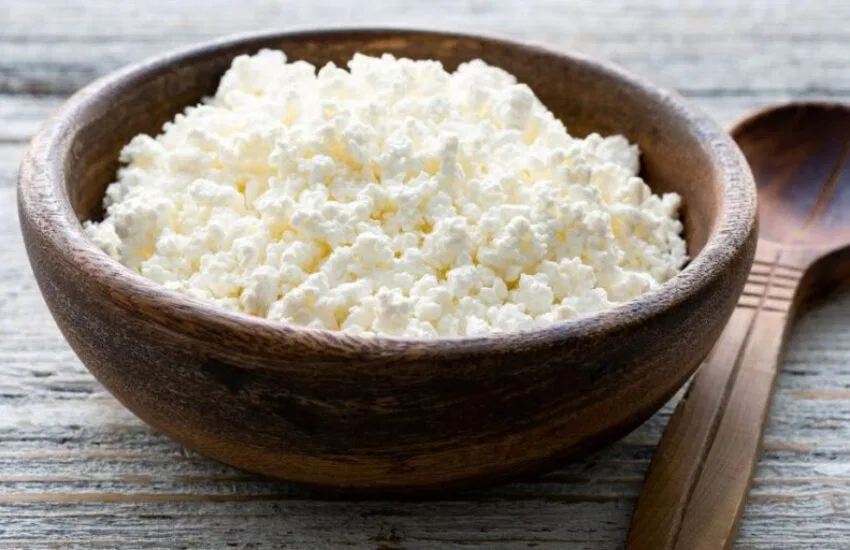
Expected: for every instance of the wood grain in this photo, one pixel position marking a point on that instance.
(60, 433)
(697, 485)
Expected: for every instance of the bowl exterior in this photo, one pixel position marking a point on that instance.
(401, 423)
(377, 416)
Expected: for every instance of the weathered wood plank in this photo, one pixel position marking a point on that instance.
(97, 19)
(328, 525)
(21, 116)
(799, 69)
(704, 47)
(77, 467)
(10, 158)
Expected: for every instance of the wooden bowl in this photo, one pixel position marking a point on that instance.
(385, 415)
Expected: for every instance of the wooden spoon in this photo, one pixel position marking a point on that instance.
(697, 483)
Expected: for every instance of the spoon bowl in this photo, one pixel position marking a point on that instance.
(798, 154)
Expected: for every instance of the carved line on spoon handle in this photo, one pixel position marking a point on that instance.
(717, 501)
(677, 505)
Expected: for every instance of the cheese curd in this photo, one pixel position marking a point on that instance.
(391, 198)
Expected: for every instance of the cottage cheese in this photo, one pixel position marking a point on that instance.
(391, 198)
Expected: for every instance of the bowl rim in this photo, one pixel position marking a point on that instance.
(42, 196)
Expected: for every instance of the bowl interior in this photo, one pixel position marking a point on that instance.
(586, 96)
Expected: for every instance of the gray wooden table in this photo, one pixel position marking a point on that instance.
(77, 470)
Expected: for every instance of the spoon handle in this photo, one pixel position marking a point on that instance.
(698, 481)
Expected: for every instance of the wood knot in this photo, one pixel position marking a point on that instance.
(230, 376)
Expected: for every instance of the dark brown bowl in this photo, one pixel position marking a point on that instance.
(382, 414)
